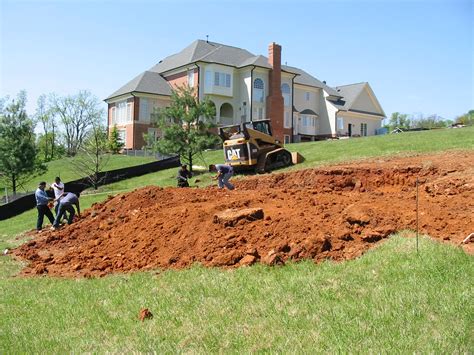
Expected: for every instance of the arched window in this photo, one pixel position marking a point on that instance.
(258, 90)
(285, 90)
(226, 114)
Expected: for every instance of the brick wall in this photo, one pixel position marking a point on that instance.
(178, 79)
(275, 106)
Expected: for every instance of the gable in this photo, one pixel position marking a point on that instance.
(366, 102)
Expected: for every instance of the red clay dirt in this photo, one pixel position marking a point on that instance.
(335, 212)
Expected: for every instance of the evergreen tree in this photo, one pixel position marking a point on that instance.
(18, 154)
(115, 143)
(185, 125)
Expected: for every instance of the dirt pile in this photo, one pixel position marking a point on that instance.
(336, 212)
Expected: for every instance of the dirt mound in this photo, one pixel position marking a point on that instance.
(334, 213)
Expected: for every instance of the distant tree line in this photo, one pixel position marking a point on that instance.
(71, 125)
(405, 121)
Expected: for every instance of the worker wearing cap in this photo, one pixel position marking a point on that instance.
(183, 175)
(42, 201)
(224, 173)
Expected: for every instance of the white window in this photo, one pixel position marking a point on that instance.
(287, 120)
(113, 114)
(363, 129)
(260, 113)
(305, 120)
(191, 78)
(123, 112)
(152, 133)
(340, 123)
(222, 79)
(285, 91)
(129, 111)
(144, 110)
(307, 96)
(208, 80)
(258, 90)
(122, 135)
(286, 139)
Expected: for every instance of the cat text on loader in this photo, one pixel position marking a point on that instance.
(251, 145)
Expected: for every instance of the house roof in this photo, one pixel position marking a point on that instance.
(210, 52)
(308, 112)
(349, 95)
(152, 81)
(304, 78)
(147, 82)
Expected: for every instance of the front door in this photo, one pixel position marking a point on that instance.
(349, 129)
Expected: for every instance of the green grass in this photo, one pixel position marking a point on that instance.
(27, 220)
(64, 169)
(390, 300)
(324, 152)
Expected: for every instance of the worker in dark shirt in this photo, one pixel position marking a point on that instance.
(66, 203)
(224, 173)
(183, 175)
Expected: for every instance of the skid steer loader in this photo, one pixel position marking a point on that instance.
(251, 145)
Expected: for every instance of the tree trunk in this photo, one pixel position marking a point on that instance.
(46, 147)
(190, 159)
(52, 144)
(14, 184)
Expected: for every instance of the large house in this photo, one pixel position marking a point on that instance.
(245, 87)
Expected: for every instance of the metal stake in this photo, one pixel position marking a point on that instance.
(417, 215)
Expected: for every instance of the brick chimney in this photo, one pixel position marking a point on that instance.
(275, 98)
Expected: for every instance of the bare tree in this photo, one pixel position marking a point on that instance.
(77, 113)
(46, 116)
(92, 156)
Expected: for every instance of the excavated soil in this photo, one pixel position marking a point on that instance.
(335, 212)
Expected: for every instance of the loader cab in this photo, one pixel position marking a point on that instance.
(261, 126)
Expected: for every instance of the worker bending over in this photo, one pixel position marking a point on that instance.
(66, 202)
(224, 173)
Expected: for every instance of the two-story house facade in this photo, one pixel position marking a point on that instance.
(244, 87)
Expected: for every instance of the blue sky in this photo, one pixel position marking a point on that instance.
(416, 55)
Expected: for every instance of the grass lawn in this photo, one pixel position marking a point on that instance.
(324, 152)
(64, 169)
(391, 299)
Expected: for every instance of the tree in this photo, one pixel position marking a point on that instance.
(46, 115)
(18, 153)
(115, 143)
(77, 113)
(430, 122)
(466, 119)
(185, 125)
(46, 142)
(399, 120)
(92, 155)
